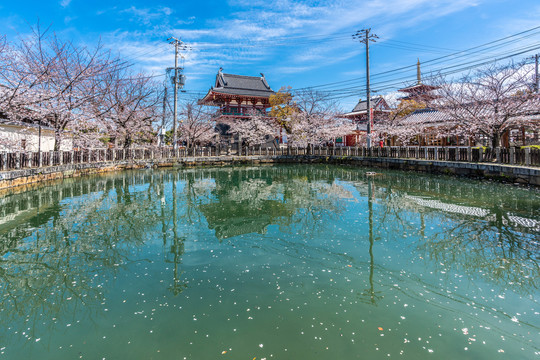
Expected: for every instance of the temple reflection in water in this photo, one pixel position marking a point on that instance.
(65, 247)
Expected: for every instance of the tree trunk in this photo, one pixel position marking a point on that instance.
(127, 142)
(57, 141)
(495, 140)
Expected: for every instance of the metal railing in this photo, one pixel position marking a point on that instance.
(512, 156)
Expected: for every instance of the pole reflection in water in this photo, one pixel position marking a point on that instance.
(277, 262)
(371, 293)
(176, 248)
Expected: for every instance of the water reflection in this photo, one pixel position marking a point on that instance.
(479, 229)
(64, 248)
(249, 200)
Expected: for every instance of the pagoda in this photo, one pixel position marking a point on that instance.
(419, 92)
(238, 96)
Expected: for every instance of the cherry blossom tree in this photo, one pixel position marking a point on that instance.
(255, 130)
(48, 79)
(316, 120)
(490, 101)
(126, 106)
(396, 126)
(196, 124)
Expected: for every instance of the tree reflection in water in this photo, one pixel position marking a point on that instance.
(480, 230)
(62, 246)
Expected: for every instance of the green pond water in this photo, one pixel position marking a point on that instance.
(284, 262)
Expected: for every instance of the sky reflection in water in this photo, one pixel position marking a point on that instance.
(269, 262)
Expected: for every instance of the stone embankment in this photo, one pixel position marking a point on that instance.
(493, 171)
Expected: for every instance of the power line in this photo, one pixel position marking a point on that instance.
(391, 84)
(457, 54)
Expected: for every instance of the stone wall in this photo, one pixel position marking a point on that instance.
(507, 173)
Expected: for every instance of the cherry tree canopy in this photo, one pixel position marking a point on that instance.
(491, 101)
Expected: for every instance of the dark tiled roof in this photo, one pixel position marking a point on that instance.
(6, 121)
(418, 88)
(432, 116)
(242, 85)
(229, 84)
(426, 116)
(245, 92)
(375, 103)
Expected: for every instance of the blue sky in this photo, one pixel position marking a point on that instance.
(295, 43)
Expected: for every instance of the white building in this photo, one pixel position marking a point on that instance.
(21, 136)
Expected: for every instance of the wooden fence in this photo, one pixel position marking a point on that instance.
(512, 156)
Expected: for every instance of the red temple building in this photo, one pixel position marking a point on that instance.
(380, 110)
(237, 96)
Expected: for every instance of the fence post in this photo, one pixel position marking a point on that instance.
(481, 154)
(436, 153)
(17, 160)
(527, 156)
(498, 154)
(50, 160)
(4, 161)
(469, 154)
(512, 155)
(426, 153)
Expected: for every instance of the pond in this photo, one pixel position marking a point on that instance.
(278, 262)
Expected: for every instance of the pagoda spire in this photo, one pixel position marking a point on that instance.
(418, 74)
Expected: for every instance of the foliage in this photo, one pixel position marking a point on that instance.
(282, 107)
(490, 101)
(257, 129)
(406, 107)
(74, 88)
(196, 125)
(316, 120)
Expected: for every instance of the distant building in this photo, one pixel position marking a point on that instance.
(380, 111)
(432, 122)
(419, 92)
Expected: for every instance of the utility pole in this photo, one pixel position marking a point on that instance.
(536, 77)
(176, 42)
(162, 134)
(536, 72)
(178, 80)
(365, 37)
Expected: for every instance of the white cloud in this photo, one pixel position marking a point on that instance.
(302, 35)
(65, 3)
(148, 15)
